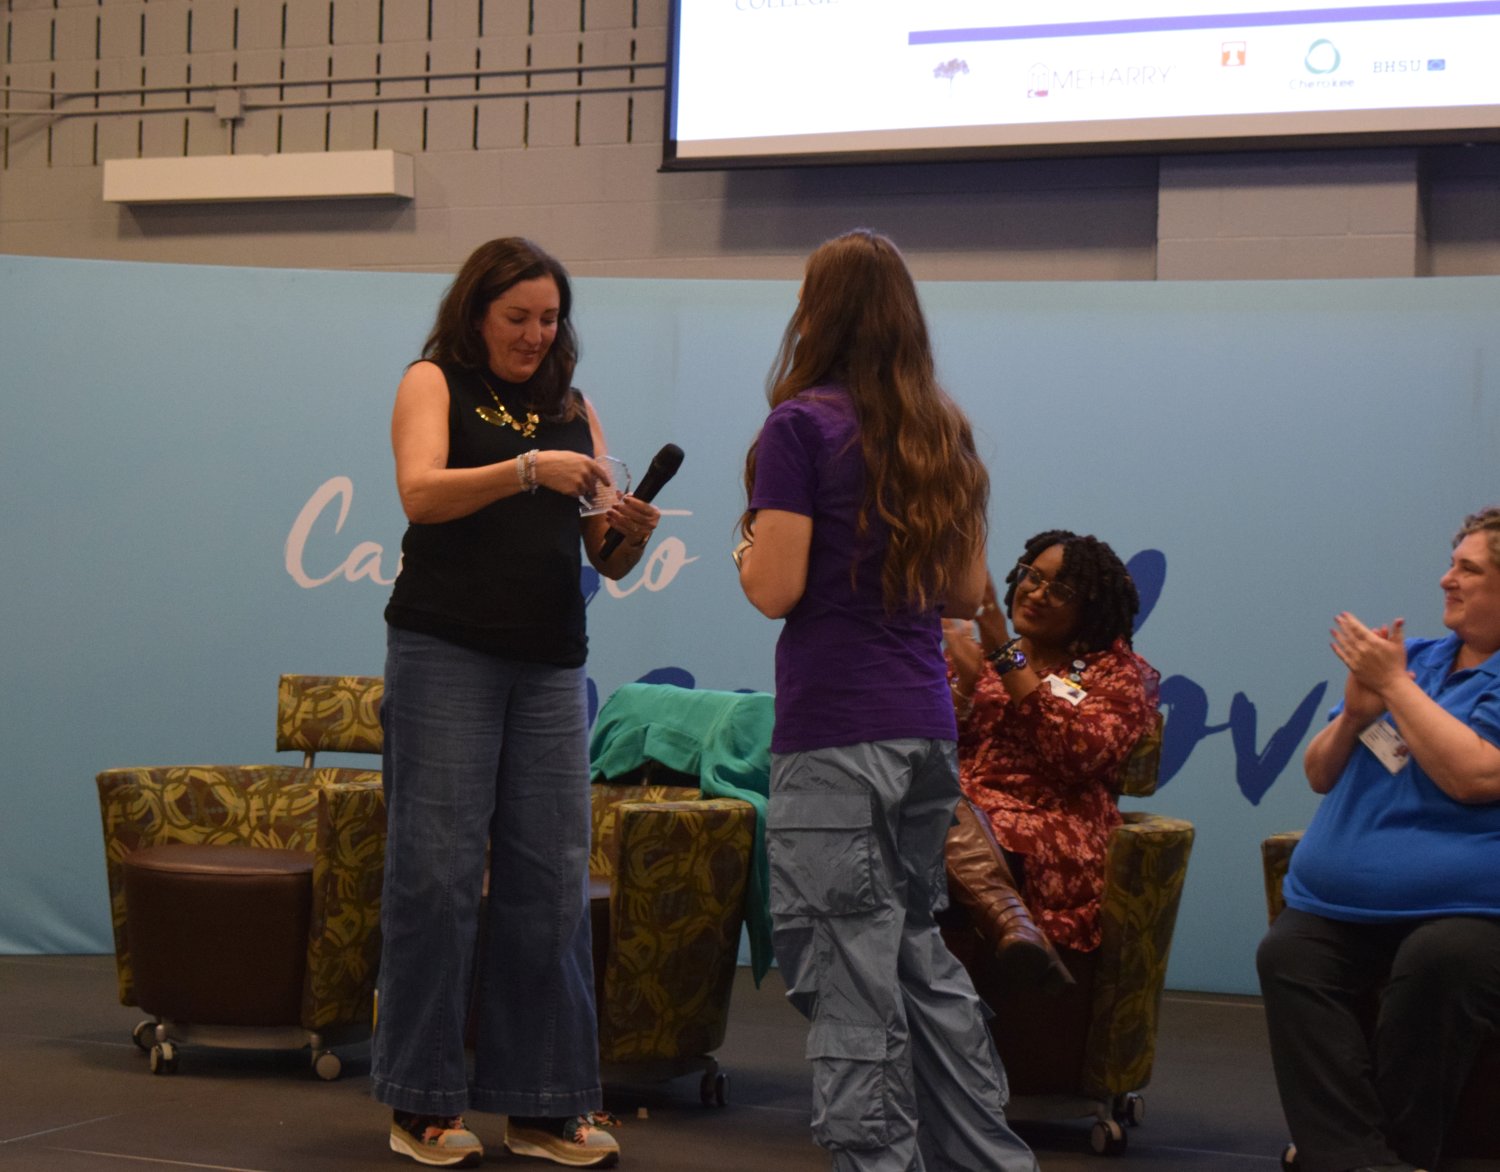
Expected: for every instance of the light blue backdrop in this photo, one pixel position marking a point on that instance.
(195, 496)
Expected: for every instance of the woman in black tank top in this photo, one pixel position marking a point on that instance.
(485, 727)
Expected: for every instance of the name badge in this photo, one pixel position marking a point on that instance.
(1382, 739)
(1070, 692)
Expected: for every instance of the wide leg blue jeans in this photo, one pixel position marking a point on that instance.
(481, 749)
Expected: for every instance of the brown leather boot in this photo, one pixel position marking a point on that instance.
(980, 882)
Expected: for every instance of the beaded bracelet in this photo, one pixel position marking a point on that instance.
(526, 470)
(963, 705)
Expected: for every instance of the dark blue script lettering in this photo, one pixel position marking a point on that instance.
(1186, 705)
(1183, 700)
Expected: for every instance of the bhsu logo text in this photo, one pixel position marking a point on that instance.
(1410, 65)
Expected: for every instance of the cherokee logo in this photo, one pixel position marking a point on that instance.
(1322, 57)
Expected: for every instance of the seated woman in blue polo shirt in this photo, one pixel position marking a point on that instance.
(1396, 885)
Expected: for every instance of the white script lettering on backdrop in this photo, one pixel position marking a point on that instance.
(661, 566)
(1256, 766)
(363, 560)
(656, 573)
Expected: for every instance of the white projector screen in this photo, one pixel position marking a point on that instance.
(759, 82)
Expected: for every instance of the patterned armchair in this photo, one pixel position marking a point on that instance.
(1475, 1132)
(330, 823)
(329, 714)
(674, 866)
(1089, 1049)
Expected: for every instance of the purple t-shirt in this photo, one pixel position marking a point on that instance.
(846, 671)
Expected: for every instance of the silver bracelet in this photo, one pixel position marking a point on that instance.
(526, 470)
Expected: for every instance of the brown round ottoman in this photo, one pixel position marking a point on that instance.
(218, 934)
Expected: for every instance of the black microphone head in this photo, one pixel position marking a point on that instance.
(666, 462)
(664, 466)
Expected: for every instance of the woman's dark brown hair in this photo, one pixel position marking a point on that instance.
(491, 269)
(859, 324)
(1107, 598)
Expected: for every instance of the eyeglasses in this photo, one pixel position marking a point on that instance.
(1030, 580)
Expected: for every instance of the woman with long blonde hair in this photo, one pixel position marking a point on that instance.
(866, 524)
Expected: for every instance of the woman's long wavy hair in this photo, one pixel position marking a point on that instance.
(491, 269)
(859, 324)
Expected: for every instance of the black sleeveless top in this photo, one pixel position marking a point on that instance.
(503, 579)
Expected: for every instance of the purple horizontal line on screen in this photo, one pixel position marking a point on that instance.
(1158, 24)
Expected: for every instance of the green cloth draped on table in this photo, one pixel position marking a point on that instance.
(723, 739)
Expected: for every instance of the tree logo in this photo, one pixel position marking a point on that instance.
(951, 69)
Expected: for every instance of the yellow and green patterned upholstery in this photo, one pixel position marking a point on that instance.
(677, 865)
(607, 800)
(1275, 858)
(336, 814)
(1138, 775)
(1145, 870)
(329, 714)
(1082, 1049)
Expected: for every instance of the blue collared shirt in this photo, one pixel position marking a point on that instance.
(1392, 846)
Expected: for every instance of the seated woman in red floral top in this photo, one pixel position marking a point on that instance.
(1047, 716)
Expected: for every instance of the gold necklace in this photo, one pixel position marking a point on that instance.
(500, 417)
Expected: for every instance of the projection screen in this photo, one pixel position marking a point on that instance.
(761, 82)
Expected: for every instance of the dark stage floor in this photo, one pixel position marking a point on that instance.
(76, 1094)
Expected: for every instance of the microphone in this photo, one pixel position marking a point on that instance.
(664, 466)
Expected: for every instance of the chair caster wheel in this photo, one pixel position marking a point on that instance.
(163, 1058)
(327, 1065)
(713, 1090)
(144, 1035)
(1289, 1159)
(1129, 1109)
(1107, 1138)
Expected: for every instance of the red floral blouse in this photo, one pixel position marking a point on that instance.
(1044, 771)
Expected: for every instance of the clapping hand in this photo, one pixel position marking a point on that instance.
(965, 656)
(1376, 659)
(990, 619)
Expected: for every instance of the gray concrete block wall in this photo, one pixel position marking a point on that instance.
(580, 171)
(1309, 214)
(1462, 207)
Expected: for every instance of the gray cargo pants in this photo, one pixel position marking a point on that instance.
(905, 1075)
